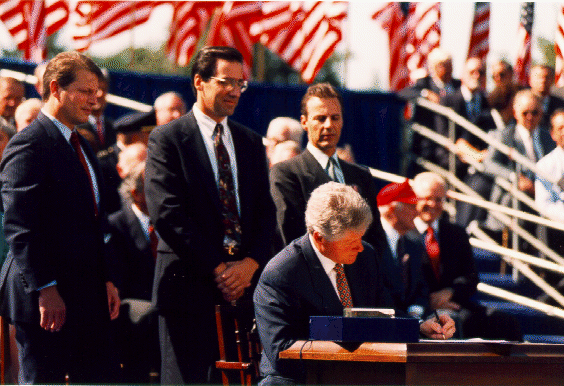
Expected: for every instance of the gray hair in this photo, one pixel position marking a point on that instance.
(426, 179)
(335, 208)
(134, 180)
(282, 129)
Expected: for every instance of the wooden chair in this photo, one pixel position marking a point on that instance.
(239, 344)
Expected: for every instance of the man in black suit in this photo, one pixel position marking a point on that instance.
(55, 286)
(401, 259)
(433, 87)
(207, 193)
(541, 80)
(98, 124)
(449, 269)
(292, 181)
(321, 273)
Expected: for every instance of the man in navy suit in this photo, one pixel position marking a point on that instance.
(208, 197)
(292, 181)
(55, 286)
(321, 273)
(401, 259)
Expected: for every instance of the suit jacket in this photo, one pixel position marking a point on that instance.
(457, 268)
(184, 206)
(51, 227)
(291, 184)
(553, 104)
(108, 160)
(109, 133)
(457, 102)
(416, 291)
(294, 286)
(133, 264)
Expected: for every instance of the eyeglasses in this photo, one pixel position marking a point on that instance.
(231, 83)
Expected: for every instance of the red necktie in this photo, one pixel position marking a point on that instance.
(100, 131)
(232, 227)
(433, 251)
(343, 286)
(154, 241)
(78, 149)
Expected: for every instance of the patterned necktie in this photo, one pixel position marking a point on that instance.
(343, 287)
(100, 131)
(433, 251)
(154, 239)
(232, 227)
(78, 150)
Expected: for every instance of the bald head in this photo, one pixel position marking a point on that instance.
(168, 107)
(12, 93)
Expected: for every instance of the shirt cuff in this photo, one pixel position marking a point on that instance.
(54, 282)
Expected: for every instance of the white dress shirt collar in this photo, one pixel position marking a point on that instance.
(327, 264)
(422, 225)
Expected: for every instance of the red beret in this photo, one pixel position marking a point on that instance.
(396, 192)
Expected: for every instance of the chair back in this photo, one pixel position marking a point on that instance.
(239, 344)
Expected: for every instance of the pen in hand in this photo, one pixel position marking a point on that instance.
(439, 321)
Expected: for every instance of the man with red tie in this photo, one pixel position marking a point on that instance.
(55, 284)
(449, 267)
(322, 272)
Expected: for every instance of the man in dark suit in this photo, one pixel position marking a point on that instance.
(401, 259)
(433, 87)
(321, 273)
(98, 124)
(55, 286)
(449, 269)
(292, 181)
(207, 193)
(541, 80)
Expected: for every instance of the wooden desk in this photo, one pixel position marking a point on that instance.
(430, 363)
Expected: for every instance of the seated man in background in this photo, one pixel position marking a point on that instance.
(282, 129)
(322, 272)
(26, 112)
(401, 260)
(449, 269)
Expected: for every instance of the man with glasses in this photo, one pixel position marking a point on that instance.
(208, 198)
(529, 139)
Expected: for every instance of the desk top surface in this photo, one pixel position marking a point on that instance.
(436, 351)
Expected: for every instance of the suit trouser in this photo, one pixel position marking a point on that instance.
(82, 352)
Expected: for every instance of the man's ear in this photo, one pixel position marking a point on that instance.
(54, 89)
(198, 82)
(303, 121)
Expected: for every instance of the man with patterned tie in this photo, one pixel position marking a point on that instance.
(449, 267)
(208, 197)
(322, 272)
(55, 282)
(292, 181)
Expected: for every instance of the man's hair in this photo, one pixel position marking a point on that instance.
(425, 179)
(285, 128)
(335, 208)
(64, 68)
(500, 98)
(521, 94)
(322, 91)
(559, 111)
(134, 180)
(436, 56)
(8, 79)
(506, 65)
(161, 99)
(206, 60)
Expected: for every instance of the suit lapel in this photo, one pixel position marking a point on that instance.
(321, 284)
(139, 236)
(313, 171)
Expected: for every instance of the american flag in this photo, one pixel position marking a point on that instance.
(189, 21)
(479, 38)
(424, 34)
(230, 26)
(393, 17)
(523, 63)
(30, 22)
(303, 34)
(98, 20)
(559, 48)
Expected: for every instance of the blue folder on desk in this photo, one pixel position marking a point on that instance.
(363, 329)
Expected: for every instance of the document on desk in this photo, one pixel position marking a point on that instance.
(369, 312)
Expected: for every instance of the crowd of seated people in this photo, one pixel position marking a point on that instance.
(424, 263)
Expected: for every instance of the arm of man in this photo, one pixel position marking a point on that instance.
(549, 199)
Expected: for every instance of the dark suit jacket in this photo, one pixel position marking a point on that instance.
(133, 265)
(554, 103)
(291, 184)
(458, 104)
(294, 286)
(457, 268)
(416, 292)
(51, 227)
(184, 205)
(108, 160)
(109, 133)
